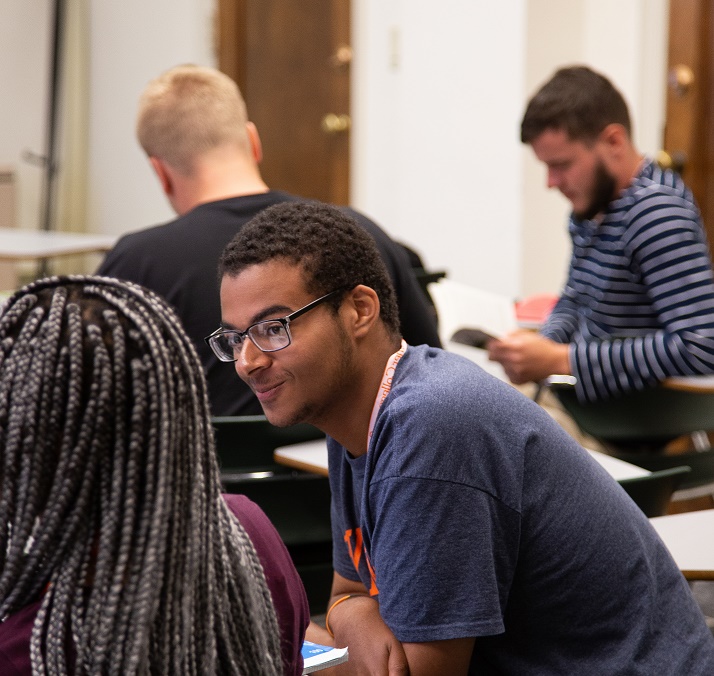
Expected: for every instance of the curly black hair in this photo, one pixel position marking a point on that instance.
(577, 100)
(333, 250)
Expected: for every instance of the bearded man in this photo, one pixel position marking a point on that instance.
(638, 304)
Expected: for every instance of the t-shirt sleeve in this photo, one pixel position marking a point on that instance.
(438, 577)
(285, 586)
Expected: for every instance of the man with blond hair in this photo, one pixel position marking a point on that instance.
(193, 125)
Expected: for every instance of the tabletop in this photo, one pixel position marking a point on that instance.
(702, 384)
(311, 456)
(688, 536)
(18, 245)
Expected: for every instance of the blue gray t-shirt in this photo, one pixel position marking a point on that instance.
(473, 514)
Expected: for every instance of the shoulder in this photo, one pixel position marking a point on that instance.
(251, 517)
(655, 190)
(654, 206)
(137, 242)
(15, 635)
(429, 376)
(447, 404)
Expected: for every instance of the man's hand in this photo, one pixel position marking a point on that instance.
(374, 649)
(527, 356)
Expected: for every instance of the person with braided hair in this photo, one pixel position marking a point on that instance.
(118, 554)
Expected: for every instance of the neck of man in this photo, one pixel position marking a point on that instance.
(214, 179)
(629, 166)
(349, 419)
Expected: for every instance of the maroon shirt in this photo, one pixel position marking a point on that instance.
(283, 581)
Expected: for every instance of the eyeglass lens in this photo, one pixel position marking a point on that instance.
(268, 336)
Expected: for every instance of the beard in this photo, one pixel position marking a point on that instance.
(603, 192)
(344, 370)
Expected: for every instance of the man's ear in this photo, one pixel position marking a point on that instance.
(615, 138)
(164, 175)
(363, 306)
(256, 147)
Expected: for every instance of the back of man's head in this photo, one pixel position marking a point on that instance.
(333, 250)
(577, 100)
(187, 111)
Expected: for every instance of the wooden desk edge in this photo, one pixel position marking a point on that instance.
(698, 574)
(681, 386)
(298, 464)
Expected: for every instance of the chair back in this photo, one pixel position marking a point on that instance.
(647, 419)
(653, 492)
(248, 441)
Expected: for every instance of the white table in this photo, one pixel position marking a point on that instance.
(618, 469)
(689, 538)
(17, 245)
(28, 245)
(311, 456)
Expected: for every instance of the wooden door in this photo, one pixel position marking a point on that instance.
(291, 60)
(689, 128)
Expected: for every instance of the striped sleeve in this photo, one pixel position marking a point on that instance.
(670, 258)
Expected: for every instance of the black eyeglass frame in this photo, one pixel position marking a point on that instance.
(285, 321)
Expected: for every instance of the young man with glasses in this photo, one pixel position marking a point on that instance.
(471, 534)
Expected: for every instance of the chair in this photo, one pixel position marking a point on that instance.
(636, 427)
(297, 503)
(652, 493)
(645, 419)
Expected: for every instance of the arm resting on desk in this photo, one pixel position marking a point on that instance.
(373, 647)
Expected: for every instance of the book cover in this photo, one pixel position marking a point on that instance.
(316, 656)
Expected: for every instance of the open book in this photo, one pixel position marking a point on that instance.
(316, 656)
(460, 306)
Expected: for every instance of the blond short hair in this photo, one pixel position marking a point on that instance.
(187, 111)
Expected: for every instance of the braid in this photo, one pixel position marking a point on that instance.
(110, 494)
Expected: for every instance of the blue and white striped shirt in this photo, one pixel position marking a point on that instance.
(638, 305)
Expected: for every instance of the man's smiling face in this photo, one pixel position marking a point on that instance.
(304, 381)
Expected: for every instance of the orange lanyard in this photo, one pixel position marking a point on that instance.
(385, 387)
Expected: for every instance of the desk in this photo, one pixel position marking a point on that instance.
(27, 245)
(311, 456)
(688, 537)
(618, 469)
(702, 384)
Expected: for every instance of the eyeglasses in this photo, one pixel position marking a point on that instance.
(269, 335)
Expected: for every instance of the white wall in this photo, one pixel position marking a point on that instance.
(437, 157)
(438, 92)
(24, 80)
(132, 42)
(437, 88)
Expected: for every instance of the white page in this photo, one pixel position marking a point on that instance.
(462, 306)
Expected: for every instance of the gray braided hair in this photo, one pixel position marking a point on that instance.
(110, 495)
